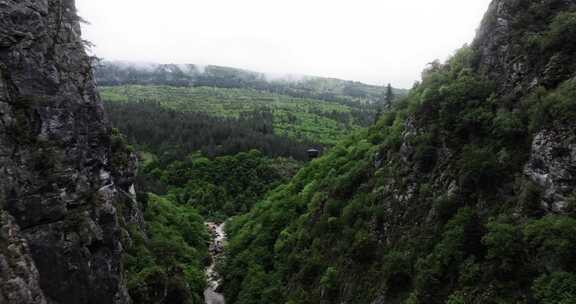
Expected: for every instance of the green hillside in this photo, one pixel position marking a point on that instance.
(323, 122)
(114, 73)
(465, 193)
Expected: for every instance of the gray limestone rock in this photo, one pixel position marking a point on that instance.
(552, 166)
(505, 59)
(18, 274)
(60, 192)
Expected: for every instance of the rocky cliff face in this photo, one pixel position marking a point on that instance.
(19, 276)
(553, 166)
(508, 48)
(61, 237)
(513, 54)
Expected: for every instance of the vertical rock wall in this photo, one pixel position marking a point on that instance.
(517, 69)
(60, 237)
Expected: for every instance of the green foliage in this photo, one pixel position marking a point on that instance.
(121, 151)
(546, 108)
(329, 279)
(556, 288)
(445, 208)
(505, 245)
(426, 206)
(538, 24)
(321, 121)
(460, 241)
(530, 198)
(224, 186)
(562, 32)
(456, 299)
(172, 135)
(508, 126)
(363, 210)
(260, 287)
(453, 100)
(553, 239)
(479, 169)
(168, 266)
(265, 229)
(398, 270)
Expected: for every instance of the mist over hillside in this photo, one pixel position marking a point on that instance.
(114, 73)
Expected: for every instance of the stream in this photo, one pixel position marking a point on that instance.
(211, 294)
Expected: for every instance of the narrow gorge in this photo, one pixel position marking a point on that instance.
(185, 184)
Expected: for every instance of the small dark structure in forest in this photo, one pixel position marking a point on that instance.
(313, 153)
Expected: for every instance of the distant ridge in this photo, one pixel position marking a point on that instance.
(113, 73)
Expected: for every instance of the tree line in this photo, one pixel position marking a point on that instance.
(172, 135)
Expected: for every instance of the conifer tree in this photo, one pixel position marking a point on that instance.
(389, 97)
(385, 103)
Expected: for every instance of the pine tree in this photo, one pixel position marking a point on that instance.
(385, 103)
(389, 97)
(378, 113)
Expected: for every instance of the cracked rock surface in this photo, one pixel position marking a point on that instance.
(60, 226)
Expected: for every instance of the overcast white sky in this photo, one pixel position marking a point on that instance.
(374, 41)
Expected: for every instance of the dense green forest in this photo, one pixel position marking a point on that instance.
(167, 253)
(220, 187)
(460, 192)
(183, 184)
(320, 121)
(337, 231)
(429, 205)
(168, 264)
(209, 153)
(168, 135)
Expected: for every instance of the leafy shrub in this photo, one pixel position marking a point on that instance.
(546, 108)
(553, 238)
(562, 33)
(556, 288)
(460, 242)
(363, 250)
(479, 169)
(530, 199)
(328, 281)
(504, 244)
(168, 266)
(508, 126)
(121, 151)
(397, 269)
(223, 186)
(456, 299)
(445, 208)
(426, 156)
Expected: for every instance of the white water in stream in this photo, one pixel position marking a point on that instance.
(211, 296)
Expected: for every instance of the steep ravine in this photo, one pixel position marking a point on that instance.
(212, 294)
(464, 194)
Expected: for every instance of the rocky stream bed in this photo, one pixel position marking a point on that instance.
(212, 294)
